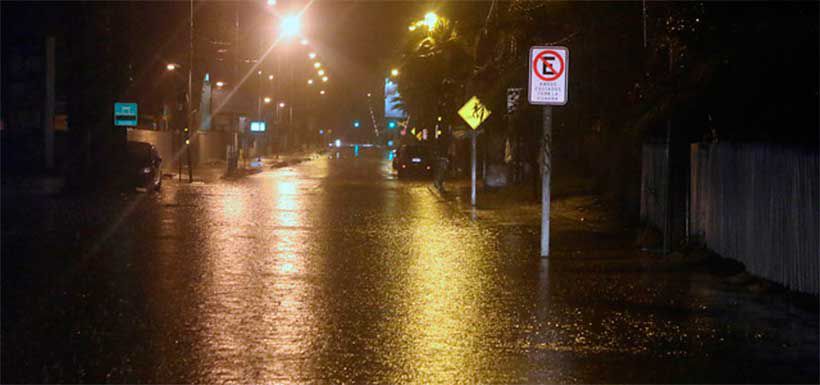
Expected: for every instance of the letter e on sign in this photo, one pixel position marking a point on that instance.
(548, 73)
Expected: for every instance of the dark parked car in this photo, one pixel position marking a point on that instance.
(413, 160)
(143, 165)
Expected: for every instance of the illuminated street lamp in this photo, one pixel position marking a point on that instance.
(321, 72)
(430, 20)
(324, 78)
(317, 65)
(220, 84)
(281, 104)
(322, 92)
(171, 66)
(310, 81)
(290, 25)
(394, 72)
(312, 55)
(270, 77)
(267, 100)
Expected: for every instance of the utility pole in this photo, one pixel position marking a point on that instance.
(190, 93)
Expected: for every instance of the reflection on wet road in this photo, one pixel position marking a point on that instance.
(332, 270)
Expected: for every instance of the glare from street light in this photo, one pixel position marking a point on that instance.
(317, 65)
(321, 72)
(430, 20)
(267, 100)
(394, 72)
(324, 78)
(290, 25)
(171, 66)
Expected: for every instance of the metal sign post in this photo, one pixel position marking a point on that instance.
(473, 140)
(548, 81)
(474, 113)
(546, 175)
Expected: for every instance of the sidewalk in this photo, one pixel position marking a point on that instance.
(585, 229)
(518, 204)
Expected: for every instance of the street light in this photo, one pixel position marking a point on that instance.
(317, 65)
(171, 66)
(291, 25)
(312, 55)
(267, 100)
(430, 20)
(322, 92)
(324, 78)
(394, 72)
(310, 81)
(270, 77)
(281, 104)
(321, 72)
(220, 84)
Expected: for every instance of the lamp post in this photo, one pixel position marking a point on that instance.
(189, 100)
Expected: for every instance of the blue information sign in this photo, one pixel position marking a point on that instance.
(258, 126)
(125, 114)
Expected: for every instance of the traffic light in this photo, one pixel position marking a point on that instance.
(356, 123)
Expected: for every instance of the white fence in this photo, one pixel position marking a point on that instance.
(759, 204)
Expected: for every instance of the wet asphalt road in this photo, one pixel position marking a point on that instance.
(333, 271)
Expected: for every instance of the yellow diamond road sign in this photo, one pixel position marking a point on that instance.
(474, 113)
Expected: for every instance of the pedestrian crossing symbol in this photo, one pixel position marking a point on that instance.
(474, 113)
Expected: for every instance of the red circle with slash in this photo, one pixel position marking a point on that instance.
(546, 63)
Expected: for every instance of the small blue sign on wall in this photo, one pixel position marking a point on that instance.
(125, 114)
(258, 126)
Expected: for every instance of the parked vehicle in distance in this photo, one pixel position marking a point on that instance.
(413, 160)
(143, 165)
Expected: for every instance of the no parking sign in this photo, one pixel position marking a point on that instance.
(549, 68)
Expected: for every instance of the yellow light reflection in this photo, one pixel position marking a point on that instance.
(257, 305)
(445, 299)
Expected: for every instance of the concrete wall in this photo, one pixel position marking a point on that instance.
(162, 140)
(759, 204)
(211, 145)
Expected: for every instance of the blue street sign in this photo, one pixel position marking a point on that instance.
(125, 114)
